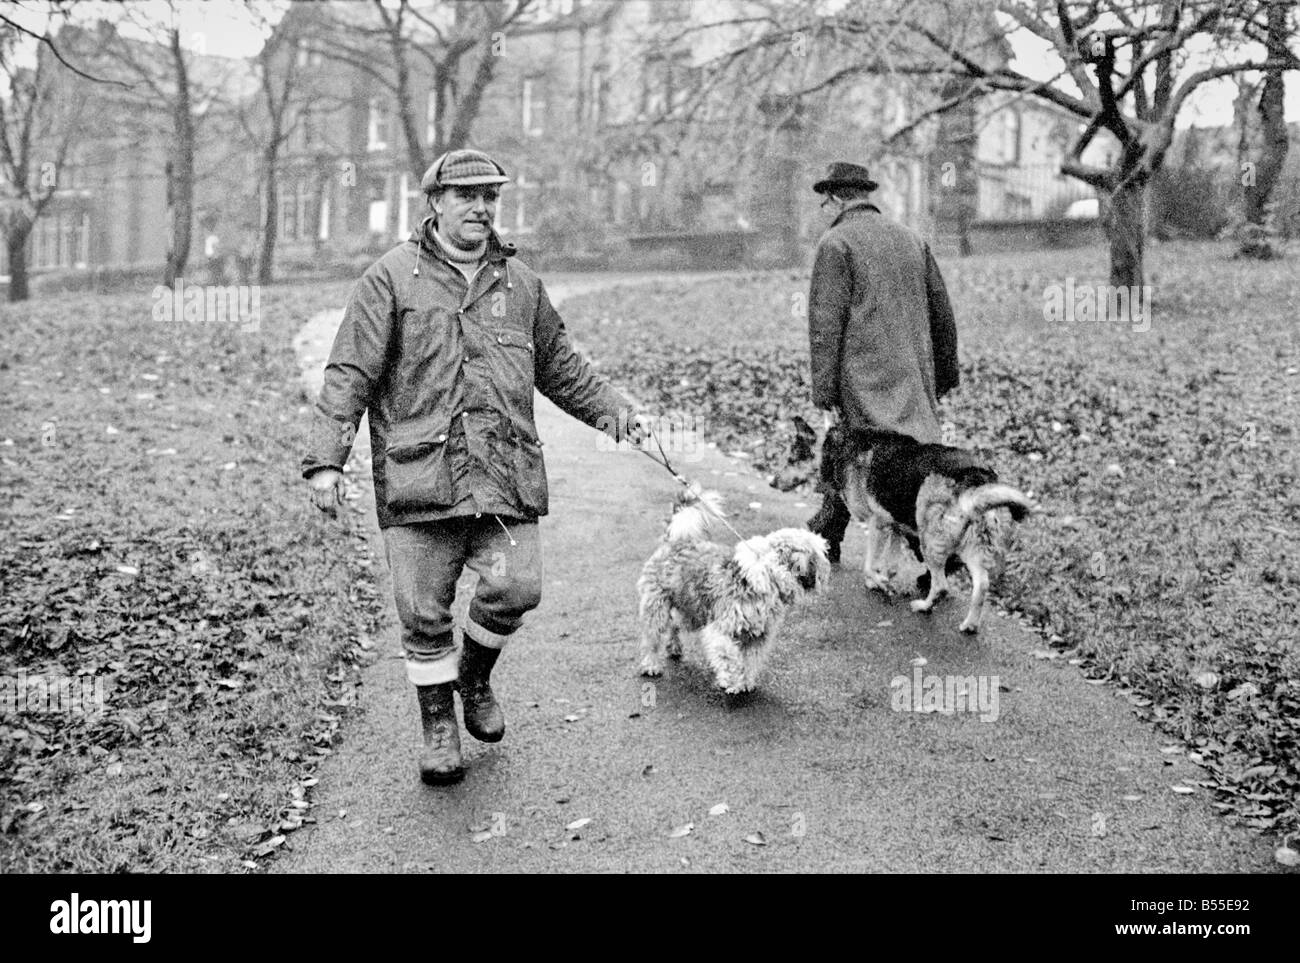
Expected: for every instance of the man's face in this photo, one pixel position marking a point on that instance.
(465, 214)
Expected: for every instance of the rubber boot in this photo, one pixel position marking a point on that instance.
(484, 719)
(440, 761)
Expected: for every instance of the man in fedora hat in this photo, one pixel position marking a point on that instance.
(882, 335)
(443, 342)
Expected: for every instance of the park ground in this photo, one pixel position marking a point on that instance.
(157, 536)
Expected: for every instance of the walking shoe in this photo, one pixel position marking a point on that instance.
(440, 760)
(484, 719)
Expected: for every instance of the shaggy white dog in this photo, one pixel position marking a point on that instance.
(734, 598)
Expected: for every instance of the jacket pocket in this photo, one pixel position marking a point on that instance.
(514, 339)
(530, 475)
(417, 472)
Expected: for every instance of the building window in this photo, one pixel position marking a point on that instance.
(305, 218)
(309, 54)
(377, 128)
(288, 216)
(598, 95)
(654, 83)
(666, 83)
(534, 107)
(517, 212)
(1009, 131)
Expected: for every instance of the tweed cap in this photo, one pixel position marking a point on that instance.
(462, 168)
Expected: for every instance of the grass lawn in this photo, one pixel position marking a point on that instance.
(157, 541)
(1166, 459)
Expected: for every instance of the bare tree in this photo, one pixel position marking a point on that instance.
(1127, 72)
(1259, 181)
(164, 88)
(37, 129)
(397, 44)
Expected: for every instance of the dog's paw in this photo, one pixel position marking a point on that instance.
(651, 667)
(921, 605)
(969, 626)
(877, 582)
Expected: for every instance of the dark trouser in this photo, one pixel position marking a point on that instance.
(426, 561)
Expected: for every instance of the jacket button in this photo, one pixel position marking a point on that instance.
(496, 274)
(442, 437)
(464, 414)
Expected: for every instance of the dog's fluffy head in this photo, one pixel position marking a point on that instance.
(786, 561)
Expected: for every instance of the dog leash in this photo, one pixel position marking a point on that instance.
(680, 478)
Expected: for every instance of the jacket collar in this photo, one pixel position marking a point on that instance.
(854, 208)
(497, 249)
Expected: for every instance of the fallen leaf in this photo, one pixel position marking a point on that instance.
(1183, 790)
(919, 661)
(681, 831)
(270, 846)
(578, 823)
(756, 839)
(1045, 654)
(128, 570)
(719, 809)
(1287, 856)
(885, 624)
(482, 837)
(1131, 797)
(1207, 680)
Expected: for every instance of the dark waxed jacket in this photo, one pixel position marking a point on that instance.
(447, 372)
(883, 339)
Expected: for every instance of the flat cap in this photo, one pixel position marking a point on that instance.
(462, 168)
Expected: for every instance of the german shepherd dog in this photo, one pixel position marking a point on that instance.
(942, 500)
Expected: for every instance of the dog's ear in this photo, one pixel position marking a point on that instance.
(750, 556)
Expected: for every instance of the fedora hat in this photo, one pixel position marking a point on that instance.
(844, 174)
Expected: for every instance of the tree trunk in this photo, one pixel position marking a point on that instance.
(181, 187)
(271, 226)
(1125, 224)
(16, 245)
(1272, 157)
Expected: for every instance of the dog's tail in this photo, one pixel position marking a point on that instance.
(694, 514)
(985, 498)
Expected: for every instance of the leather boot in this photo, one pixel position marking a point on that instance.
(484, 719)
(440, 761)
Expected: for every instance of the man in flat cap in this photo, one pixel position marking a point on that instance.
(443, 342)
(882, 335)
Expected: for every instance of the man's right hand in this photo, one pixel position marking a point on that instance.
(327, 490)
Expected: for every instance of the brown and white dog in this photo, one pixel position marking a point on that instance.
(940, 499)
(735, 598)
